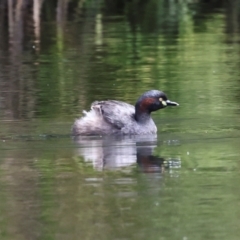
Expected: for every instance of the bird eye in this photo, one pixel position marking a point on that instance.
(163, 102)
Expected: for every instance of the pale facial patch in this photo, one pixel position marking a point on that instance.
(163, 102)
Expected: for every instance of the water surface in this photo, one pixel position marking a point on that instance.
(180, 184)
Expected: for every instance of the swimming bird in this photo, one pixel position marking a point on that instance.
(120, 118)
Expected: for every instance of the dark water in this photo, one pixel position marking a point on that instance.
(182, 183)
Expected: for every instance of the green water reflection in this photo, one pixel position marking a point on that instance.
(53, 194)
(182, 184)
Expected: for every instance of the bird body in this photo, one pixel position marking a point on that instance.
(117, 117)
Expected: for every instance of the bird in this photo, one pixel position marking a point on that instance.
(113, 117)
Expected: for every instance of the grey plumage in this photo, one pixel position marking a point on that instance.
(111, 117)
(117, 117)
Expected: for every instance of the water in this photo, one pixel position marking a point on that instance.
(180, 184)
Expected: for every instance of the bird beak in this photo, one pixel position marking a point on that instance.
(170, 103)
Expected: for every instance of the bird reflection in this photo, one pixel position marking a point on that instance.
(117, 152)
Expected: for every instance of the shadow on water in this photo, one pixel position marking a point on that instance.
(115, 153)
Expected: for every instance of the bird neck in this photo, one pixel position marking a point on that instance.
(141, 114)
